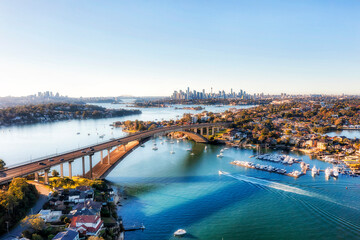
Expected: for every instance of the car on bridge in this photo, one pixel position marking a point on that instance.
(42, 164)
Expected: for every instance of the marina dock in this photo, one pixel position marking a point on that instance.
(294, 174)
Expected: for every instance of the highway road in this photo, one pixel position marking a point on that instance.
(46, 163)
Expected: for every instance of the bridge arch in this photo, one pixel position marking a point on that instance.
(195, 136)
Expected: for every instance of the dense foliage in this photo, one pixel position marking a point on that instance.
(15, 202)
(57, 111)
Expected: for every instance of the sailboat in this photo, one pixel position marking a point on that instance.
(172, 151)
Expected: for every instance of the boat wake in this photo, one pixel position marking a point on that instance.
(280, 186)
(262, 183)
(275, 185)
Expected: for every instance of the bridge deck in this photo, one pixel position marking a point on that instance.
(46, 163)
(100, 170)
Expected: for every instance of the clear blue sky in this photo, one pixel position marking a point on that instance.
(110, 48)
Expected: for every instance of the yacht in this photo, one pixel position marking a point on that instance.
(180, 232)
(314, 171)
(335, 172)
(172, 151)
(327, 173)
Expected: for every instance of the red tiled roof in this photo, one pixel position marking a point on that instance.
(91, 229)
(84, 219)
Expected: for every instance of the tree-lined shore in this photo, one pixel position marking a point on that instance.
(57, 112)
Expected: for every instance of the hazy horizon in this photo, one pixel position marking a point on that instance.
(151, 48)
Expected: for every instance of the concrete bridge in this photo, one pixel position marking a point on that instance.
(122, 147)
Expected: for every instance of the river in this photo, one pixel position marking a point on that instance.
(167, 191)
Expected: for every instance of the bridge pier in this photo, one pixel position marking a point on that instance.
(62, 170)
(108, 156)
(101, 157)
(90, 161)
(83, 165)
(70, 169)
(36, 177)
(124, 147)
(46, 176)
(201, 131)
(195, 130)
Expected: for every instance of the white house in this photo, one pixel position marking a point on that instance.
(87, 224)
(50, 216)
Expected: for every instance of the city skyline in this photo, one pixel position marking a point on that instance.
(144, 48)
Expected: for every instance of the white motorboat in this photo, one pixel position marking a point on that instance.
(314, 171)
(180, 232)
(172, 151)
(154, 148)
(192, 154)
(219, 155)
(335, 172)
(189, 149)
(142, 145)
(205, 148)
(327, 173)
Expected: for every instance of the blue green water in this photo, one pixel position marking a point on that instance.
(171, 191)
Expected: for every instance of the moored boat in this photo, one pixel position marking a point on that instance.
(180, 232)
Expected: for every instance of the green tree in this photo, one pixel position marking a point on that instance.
(36, 236)
(55, 173)
(34, 221)
(2, 164)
